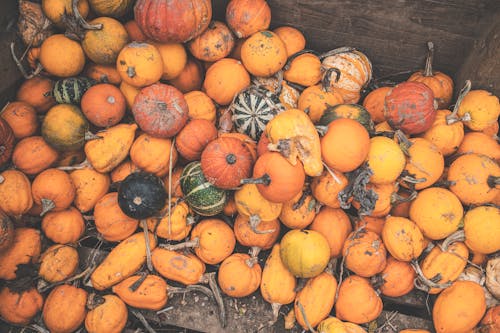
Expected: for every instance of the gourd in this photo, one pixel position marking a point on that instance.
(63, 227)
(374, 103)
(335, 226)
(174, 58)
(385, 159)
(327, 187)
(194, 137)
(102, 46)
(53, 189)
(110, 221)
(350, 111)
(32, 155)
(153, 155)
(263, 53)
(90, 186)
(200, 106)
(481, 224)
(143, 292)
(15, 193)
(364, 253)
(103, 105)
(64, 309)
(215, 43)
(303, 68)
(61, 56)
(404, 246)
(139, 64)
(21, 118)
(239, 275)
(246, 17)
(261, 237)
(446, 137)
(71, 90)
(36, 91)
(293, 38)
(64, 127)
(19, 307)
(175, 221)
(183, 267)
(106, 313)
(316, 100)
(300, 211)
(396, 279)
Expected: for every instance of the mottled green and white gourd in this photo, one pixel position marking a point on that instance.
(71, 90)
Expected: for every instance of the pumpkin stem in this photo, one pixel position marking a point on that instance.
(143, 321)
(134, 286)
(264, 180)
(47, 206)
(254, 252)
(425, 284)
(88, 270)
(94, 300)
(20, 66)
(297, 54)
(428, 60)
(210, 279)
(326, 81)
(230, 158)
(130, 71)
(254, 223)
(339, 50)
(356, 189)
(303, 313)
(404, 142)
(85, 164)
(321, 129)
(453, 117)
(377, 281)
(493, 181)
(283, 146)
(149, 263)
(397, 198)
(332, 173)
(38, 328)
(251, 261)
(276, 311)
(181, 246)
(91, 136)
(2, 179)
(81, 21)
(301, 200)
(457, 236)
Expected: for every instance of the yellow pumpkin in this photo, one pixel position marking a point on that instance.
(385, 159)
(402, 238)
(481, 228)
(139, 64)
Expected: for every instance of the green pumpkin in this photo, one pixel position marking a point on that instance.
(71, 90)
(202, 196)
(352, 111)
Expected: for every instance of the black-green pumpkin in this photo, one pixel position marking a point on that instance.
(252, 109)
(202, 196)
(141, 195)
(71, 90)
(352, 111)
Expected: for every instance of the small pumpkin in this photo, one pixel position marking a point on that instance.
(110, 221)
(491, 320)
(58, 263)
(185, 268)
(90, 186)
(315, 100)
(370, 223)
(327, 187)
(364, 253)
(64, 127)
(22, 119)
(481, 225)
(114, 8)
(106, 313)
(20, 307)
(299, 212)
(396, 278)
(239, 275)
(53, 189)
(251, 203)
(63, 227)
(190, 78)
(175, 221)
(479, 143)
(402, 238)
(15, 193)
(262, 236)
(200, 106)
(374, 103)
(246, 17)
(64, 309)
(102, 46)
(121, 171)
(194, 137)
(292, 37)
(143, 292)
(33, 154)
(129, 92)
(103, 105)
(153, 155)
(385, 159)
(333, 324)
(335, 226)
(55, 10)
(215, 43)
(160, 110)
(61, 56)
(102, 73)
(303, 68)
(25, 249)
(447, 138)
(263, 53)
(139, 64)
(37, 92)
(174, 58)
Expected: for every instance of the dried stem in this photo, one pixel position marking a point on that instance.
(457, 236)
(181, 246)
(453, 117)
(71, 279)
(428, 60)
(254, 221)
(303, 313)
(149, 263)
(20, 66)
(332, 173)
(143, 321)
(170, 170)
(425, 284)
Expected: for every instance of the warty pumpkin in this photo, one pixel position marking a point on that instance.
(106, 313)
(335, 226)
(90, 186)
(58, 263)
(110, 221)
(194, 137)
(239, 275)
(37, 92)
(102, 46)
(148, 292)
(246, 17)
(64, 127)
(15, 193)
(326, 187)
(292, 37)
(103, 105)
(152, 154)
(402, 238)
(215, 43)
(63, 227)
(61, 56)
(33, 154)
(20, 307)
(22, 119)
(300, 211)
(53, 189)
(364, 253)
(139, 64)
(264, 53)
(396, 279)
(64, 309)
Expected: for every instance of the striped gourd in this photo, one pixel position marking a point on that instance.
(71, 90)
(202, 196)
(352, 111)
(252, 109)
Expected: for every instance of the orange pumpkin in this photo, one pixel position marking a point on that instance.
(263, 53)
(124, 169)
(215, 43)
(175, 222)
(129, 92)
(139, 64)
(303, 68)
(152, 154)
(25, 249)
(55, 10)
(374, 103)
(181, 267)
(224, 79)
(64, 309)
(134, 31)
(294, 39)
(262, 236)
(480, 143)
(58, 263)
(193, 138)
(239, 275)
(396, 278)
(174, 58)
(481, 225)
(107, 313)
(190, 78)
(110, 221)
(491, 320)
(364, 253)
(216, 240)
(250, 202)
(33, 154)
(37, 92)
(149, 292)
(61, 56)
(15, 193)
(90, 186)
(53, 189)
(102, 46)
(327, 187)
(300, 211)
(385, 159)
(103, 73)
(22, 118)
(447, 138)
(335, 226)
(104, 105)
(200, 106)
(246, 17)
(63, 227)
(370, 223)
(402, 238)
(19, 308)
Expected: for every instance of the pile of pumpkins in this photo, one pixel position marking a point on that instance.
(172, 137)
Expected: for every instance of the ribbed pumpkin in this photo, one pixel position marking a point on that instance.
(173, 21)
(201, 195)
(225, 162)
(160, 110)
(71, 90)
(252, 109)
(246, 17)
(64, 127)
(194, 137)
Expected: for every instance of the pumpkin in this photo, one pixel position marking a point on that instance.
(215, 43)
(490, 320)
(190, 78)
(277, 285)
(121, 171)
(63, 227)
(123, 261)
(106, 313)
(402, 238)
(239, 275)
(261, 236)
(154, 155)
(351, 111)
(300, 211)
(129, 92)
(303, 68)
(56, 10)
(481, 225)
(139, 64)
(201, 195)
(357, 301)
(386, 195)
(160, 110)
(364, 253)
(224, 79)
(352, 68)
(15, 193)
(327, 187)
(102, 73)
(102, 46)
(6, 232)
(64, 127)
(37, 92)
(442, 266)
(424, 165)
(175, 226)
(174, 59)
(263, 53)
(477, 109)
(345, 145)
(251, 203)
(385, 159)
(200, 106)
(479, 143)
(194, 137)
(53, 189)
(19, 307)
(22, 119)
(252, 109)
(185, 268)
(315, 100)
(58, 263)
(71, 90)
(61, 56)
(437, 212)
(409, 106)
(333, 324)
(304, 252)
(90, 186)
(143, 292)
(110, 221)
(289, 95)
(396, 278)
(459, 308)
(293, 39)
(370, 223)
(246, 17)
(111, 148)
(103, 105)
(25, 249)
(64, 309)
(32, 155)
(374, 103)
(335, 226)
(247, 141)
(473, 179)
(315, 301)
(440, 83)
(114, 8)
(446, 138)
(293, 134)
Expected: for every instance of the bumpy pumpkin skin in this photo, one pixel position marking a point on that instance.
(123, 261)
(246, 17)
(58, 263)
(185, 268)
(110, 221)
(110, 316)
(277, 284)
(25, 249)
(397, 278)
(15, 193)
(178, 226)
(103, 46)
(316, 298)
(151, 294)
(481, 227)
(239, 276)
(459, 308)
(33, 154)
(215, 43)
(20, 308)
(406, 245)
(61, 56)
(335, 226)
(64, 309)
(63, 227)
(139, 64)
(217, 240)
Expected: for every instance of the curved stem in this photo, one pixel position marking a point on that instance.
(297, 54)
(264, 180)
(210, 277)
(94, 300)
(149, 262)
(457, 236)
(397, 198)
(254, 222)
(85, 164)
(404, 142)
(91, 136)
(71, 279)
(327, 78)
(84, 24)
(276, 311)
(181, 246)
(412, 180)
(47, 206)
(134, 286)
(428, 283)
(20, 66)
(428, 61)
(453, 117)
(254, 251)
(303, 313)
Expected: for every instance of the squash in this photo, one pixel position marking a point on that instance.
(25, 249)
(106, 313)
(447, 138)
(63, 227)
(299, 212)
(64, 309)
(185, 268)
(174, 58)
(364, 253)
(139, 64)
(239, 275)
(335, 226)
(103, 105)
(110, 221)
(402, 238)
(123, 261)
(61, 56)
(102, 73)
(251, 203)
(303, 68)
(479, 143)
(316, 100)
(20, 307)
(385, 159)
(143, 292)
(304, 252)
(333, 324)
(490, 321)
(71, 90)
(53, 189)
(215, 43)
(37, 92)
(55, 10)
(90, 186)
(246, 17)
(15, 193)
(175, 221)
(58, 263)
(264, 54)
(33, 154)
(263, 236)
(194, 137)
(370, 223)
(292, 37)
(396, 279)
(6, 142)
(102, 46)
(115, 8)
(481, 225)
(153, 155)
(129, 92)
(350, 111)
(22, 119)
(64, 127)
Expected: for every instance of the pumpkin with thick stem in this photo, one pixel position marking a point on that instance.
(239, 275)
(64, 309)
(15, 193)
(65, 127)
(20, 307)
(300, 211)
(293, 38)
(149, 292)
(110, 221)
(63, 227)
(175, 221)
(364, 253)
(53, 189)
(139, 64)
(446, 137)
(22, 119)
(58, 263)
(374, 103)
(396, 279)
(315, 100)
(327, 186)
(25, 249)
(402, 238)
(261, 236)
(33, 154)
(474, 179)
(193, 138)
(106, 313)
(481, 227)
(90, 186)
(440, 83)
(152, 154)
(335, 226)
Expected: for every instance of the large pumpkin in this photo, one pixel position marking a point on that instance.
(173, 21)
